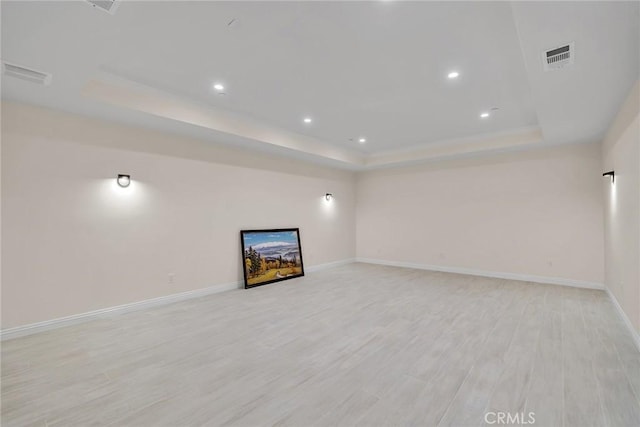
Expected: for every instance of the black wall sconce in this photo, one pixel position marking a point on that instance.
(612, 174)
(123, 180)
(328, 197)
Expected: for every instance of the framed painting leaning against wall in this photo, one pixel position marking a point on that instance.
(271, 256)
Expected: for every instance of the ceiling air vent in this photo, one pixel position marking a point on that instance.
(25, 73)
(108, 6)
(558, 57)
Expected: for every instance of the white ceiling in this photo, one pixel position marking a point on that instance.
(374, 69)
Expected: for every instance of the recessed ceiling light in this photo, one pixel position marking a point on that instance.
(453, 74)
(362, 140)
(307, 120)
(484, 115)
(219, 87)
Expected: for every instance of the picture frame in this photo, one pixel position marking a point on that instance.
(271, 255)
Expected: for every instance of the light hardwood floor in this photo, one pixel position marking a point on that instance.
(356, 345)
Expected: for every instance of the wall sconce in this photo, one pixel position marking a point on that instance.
(328, 197)
(123, 180)
(612, 174)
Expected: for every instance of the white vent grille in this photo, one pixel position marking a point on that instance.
(559, 57)
(108, 6)
(25, 73)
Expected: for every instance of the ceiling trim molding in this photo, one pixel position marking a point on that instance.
(499, 141)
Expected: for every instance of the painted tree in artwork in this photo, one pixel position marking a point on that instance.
(252, 261)
(256, 261)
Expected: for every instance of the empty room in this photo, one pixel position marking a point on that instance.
(320, 213)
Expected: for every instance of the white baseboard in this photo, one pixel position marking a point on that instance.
(333, 264)
(33, 328)
(484, 273)
(634, 334)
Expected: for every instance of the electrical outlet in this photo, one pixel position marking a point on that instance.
(172, 278)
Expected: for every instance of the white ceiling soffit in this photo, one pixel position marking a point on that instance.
(125, 93)
(361, 69)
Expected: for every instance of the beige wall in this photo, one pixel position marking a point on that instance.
(621, 153)
(534, 213)
(73, 241)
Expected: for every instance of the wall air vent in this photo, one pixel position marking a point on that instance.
(559, 57)
(25, 73)
(108, 6)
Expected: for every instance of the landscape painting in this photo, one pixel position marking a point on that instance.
(271, 256)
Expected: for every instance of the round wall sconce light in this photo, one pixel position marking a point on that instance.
(328, 197)
(123, 180)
